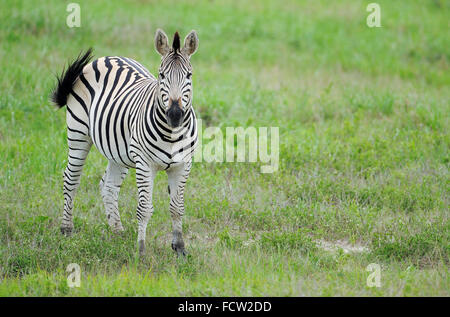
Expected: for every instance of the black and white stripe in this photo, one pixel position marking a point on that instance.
(136, 121)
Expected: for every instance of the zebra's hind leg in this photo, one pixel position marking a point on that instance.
(79, 146)
(177, 177)
(110, 187)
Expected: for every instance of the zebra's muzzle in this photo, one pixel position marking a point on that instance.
(175, 115)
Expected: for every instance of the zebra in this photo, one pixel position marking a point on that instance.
(135, 120)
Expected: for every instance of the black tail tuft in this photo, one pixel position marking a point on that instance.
(68, 78)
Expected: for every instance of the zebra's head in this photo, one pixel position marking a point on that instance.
(175, 75)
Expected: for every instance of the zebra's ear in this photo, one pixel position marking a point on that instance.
(190, 43)
(161, 42)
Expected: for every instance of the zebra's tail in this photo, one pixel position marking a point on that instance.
(68, 77)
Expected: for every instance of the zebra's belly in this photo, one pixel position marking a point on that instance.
(120, 157)
(111, 135)
(115, 152)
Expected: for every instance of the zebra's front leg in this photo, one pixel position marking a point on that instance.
(144, 180)
(177, 177)
(110, 187)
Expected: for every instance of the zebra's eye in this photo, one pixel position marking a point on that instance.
(161, 75)
(188, 76)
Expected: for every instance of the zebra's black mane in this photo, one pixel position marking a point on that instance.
(176, 42)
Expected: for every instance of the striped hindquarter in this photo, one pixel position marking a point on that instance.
(117, 105)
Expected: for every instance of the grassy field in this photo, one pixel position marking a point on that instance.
(363, 115)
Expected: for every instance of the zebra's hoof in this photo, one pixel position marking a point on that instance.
(118, 230)
(118, 234)
(67, 231)
(179, 249)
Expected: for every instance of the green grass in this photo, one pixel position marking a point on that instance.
(364, 151)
